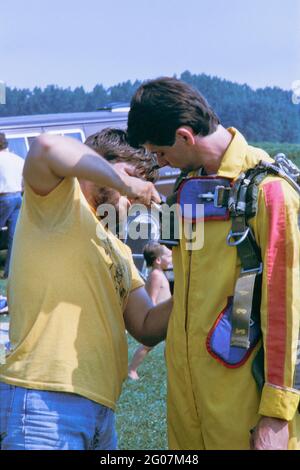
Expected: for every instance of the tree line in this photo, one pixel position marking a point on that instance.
(265, 114)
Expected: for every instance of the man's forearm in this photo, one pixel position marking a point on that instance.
(156, 323)
(52, 158)
(67, 157)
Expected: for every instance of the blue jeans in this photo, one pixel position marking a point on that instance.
(41, 420)
(9, 210)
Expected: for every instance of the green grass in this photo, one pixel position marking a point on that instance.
(3, 282)
(141, 411)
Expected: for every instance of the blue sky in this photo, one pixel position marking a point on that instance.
(72, 43)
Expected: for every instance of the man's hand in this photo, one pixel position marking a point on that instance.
(270, 434)
(136, 189)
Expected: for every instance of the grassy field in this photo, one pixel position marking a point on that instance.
(141, 412)
(2, 287)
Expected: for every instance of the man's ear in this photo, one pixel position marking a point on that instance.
(158, 260)
(187, 134)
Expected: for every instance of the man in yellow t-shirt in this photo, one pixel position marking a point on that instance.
(72, 291)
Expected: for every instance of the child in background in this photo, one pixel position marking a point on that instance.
(159, 258)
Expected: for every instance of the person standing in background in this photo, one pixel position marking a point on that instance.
(158, 258)
(11, 169)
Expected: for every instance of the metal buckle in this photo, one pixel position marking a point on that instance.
(242, 235)
(216, 195)
(257, 270)
(207, 196)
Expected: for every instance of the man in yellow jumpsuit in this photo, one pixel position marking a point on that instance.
(211, 405)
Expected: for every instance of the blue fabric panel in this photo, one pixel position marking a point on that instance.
(191, 198)
(219, 343)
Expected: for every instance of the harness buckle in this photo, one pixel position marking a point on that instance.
(242, 235)
(221, 196)
(257, 270)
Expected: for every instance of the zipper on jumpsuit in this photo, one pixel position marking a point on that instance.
(186, 322)
(191, 229)
(187, 294)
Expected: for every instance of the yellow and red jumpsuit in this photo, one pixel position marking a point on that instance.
(211, 406)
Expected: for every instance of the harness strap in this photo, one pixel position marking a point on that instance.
(242, 309)
(241, 236)
(243, 206)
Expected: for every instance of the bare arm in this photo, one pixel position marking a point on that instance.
(153, 285)
(53, 158)
(146, 323)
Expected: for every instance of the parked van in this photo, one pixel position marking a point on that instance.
(21, 130)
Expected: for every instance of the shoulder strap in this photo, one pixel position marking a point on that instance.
(243, 206)
(243, 200)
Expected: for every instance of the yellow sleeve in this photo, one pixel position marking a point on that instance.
(136, 280)
(276, 230)
(50, 211)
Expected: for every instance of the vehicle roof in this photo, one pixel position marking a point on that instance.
(60, 119)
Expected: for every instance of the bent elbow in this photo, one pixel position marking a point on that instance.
(42, 143)
(39, 147)
(150, 341)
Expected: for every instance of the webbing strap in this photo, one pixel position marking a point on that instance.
(251, 267)
(242, 237)
(241, 310)
(245, 243)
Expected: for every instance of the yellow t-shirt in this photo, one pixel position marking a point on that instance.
(67, 292)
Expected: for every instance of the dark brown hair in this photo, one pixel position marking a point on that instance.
(152, 251)
(159, 107)
(112, 145)
(3, 141)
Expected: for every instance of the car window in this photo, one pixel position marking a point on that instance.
(18, 145)
(74, 135)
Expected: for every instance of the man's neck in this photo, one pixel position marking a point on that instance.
(212, 148)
